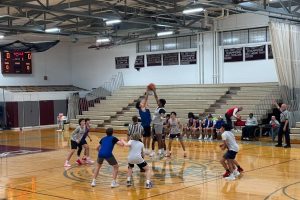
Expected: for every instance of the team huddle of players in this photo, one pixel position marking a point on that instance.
(158, 126)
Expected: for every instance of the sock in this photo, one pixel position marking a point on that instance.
(148, 181)
(128, 178)
(94, 180)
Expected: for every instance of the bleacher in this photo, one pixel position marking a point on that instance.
(116, 111)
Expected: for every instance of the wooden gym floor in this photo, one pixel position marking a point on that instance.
(34, 170)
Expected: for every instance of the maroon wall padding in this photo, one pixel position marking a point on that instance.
(12, 114)
(46, 112)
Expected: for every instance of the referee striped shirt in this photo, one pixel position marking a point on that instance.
(135, 128)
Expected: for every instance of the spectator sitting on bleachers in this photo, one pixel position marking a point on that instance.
(196, 129)
(239, 122)
(209, 127)
(274, 125)
(187, 129)
(218, 125)
(250, 126)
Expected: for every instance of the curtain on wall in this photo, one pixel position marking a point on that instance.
(285, 45)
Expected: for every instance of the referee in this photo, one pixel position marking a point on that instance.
(135, 127)
(284, 126)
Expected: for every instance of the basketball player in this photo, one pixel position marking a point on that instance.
(83, 143)
(135, 157)
(157, 121)
(76, 137)
(163, 139)
(232, 112)
(228, 160)
(105, 147)
(175, 132)
(145, 116)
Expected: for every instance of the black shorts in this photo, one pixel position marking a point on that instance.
(230, 155)
(74, 144)
(111, 160)
(172, 136)
(141, 165)
(82, 142)
(147, 131)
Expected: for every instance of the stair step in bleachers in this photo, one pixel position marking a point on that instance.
(102, 117)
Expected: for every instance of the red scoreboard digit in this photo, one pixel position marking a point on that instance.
(16, 62)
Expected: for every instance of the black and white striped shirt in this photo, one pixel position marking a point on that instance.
(135, 128)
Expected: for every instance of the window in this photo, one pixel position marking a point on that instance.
(144, 46)
(257, 35)
(184, 42)
(170, 43)
(194, 41)
(156, 45)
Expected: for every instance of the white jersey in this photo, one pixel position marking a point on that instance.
(135, 152)
(158, 116)
(230, 141)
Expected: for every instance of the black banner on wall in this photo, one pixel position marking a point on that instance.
(122, 62)
(170, 59)
(255, 53)
(188, 58)
(139, 61)
(154, 60)
(233, 55)
(270, 52)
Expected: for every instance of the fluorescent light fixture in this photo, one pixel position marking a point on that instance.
(114, 21)
(193, 10)
(1, 36)
(164, 33)
(103, 40)
(163, 25)
(52, 30)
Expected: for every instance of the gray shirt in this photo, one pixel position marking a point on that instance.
(78, 134)
(135, 152)
(230, 141)
(158, 116)
(284, 115)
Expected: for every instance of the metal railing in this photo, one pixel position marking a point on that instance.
(78, 104)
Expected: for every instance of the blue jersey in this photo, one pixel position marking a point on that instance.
(145, 117)
(219, 124)
(107, 145)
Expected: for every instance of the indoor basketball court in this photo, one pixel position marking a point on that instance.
(165, 99)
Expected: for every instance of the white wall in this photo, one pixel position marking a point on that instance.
(91, 68)
(54, 63)
(35, 96)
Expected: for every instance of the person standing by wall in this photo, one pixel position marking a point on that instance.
(284, 126)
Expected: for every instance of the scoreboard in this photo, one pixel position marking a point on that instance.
(16, 62)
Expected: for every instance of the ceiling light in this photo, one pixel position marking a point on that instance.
(193, 10)
(52, 30)
(164, 33)
(111, 22)
(163, 25)
(103, 40)
(1, 36)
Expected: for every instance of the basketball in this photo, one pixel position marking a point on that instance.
(151, 86)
